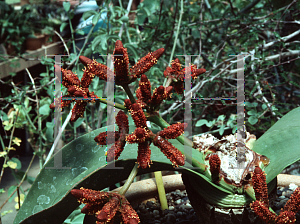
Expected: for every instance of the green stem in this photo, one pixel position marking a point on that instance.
(2, 143)
(177, 33)
(161, 190)
(116, 105)
(130, 179)
(85, 42)
(9, 144)
(129, 93)
(72, 33)
(182, 139)
(176, 37)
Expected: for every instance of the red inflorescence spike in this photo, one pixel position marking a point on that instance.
(129, 215)
(109, 210)
(260, 186)
(127, 104)
(90, 196)
(158, 96)
(197, 72)
(168, 91)
(138, 115)
(144, 154)
(293, 204)
(263, 212)
(176, 66)
(145, 63)
(78, 110)
(178, 87)
(77, 91)
(91, 209)
(173, 131)
(86, 61)
(69, 78)
(144, 90)
(168, 73)
(214, 166)
(121, 62)
(87, 79)
(122, 121)
(285, 217)
(115, 151)
(172, 153)
(102, 138)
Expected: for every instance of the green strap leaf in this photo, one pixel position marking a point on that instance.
(49, 199)
(280, 143)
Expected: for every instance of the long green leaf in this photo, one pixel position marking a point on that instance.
(49, 199)
(281, 143)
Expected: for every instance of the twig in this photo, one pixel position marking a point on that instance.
(9, 145)
(129, 93)
(23, 178)
(171, 35)
(283, 39)
(72, 34)
(84, 44)
(177, 33)
(38, 115)
(248, 7)
(62, 40)
(283, 55)
(176, 37)
(127, 13)
(269, 108)
(219, 53)
(231, 7)
(200, 38)
(284, 13)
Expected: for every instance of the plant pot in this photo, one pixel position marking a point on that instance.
(11, 50)
(54, 39)
(35, 42)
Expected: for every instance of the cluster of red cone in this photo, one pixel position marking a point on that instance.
(143, 136)
(261, 205)
(105, 205)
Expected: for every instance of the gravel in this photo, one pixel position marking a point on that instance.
(181, 212)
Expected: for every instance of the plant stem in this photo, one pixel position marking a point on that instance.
(85, 42)
(39, 118)
(116, 105)
(23, 178)
(9, 145)
(72, 33)
(176, 37)
(177, 33)
(130, 179)
(161, 190)
(129, 93)
(182, 139)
